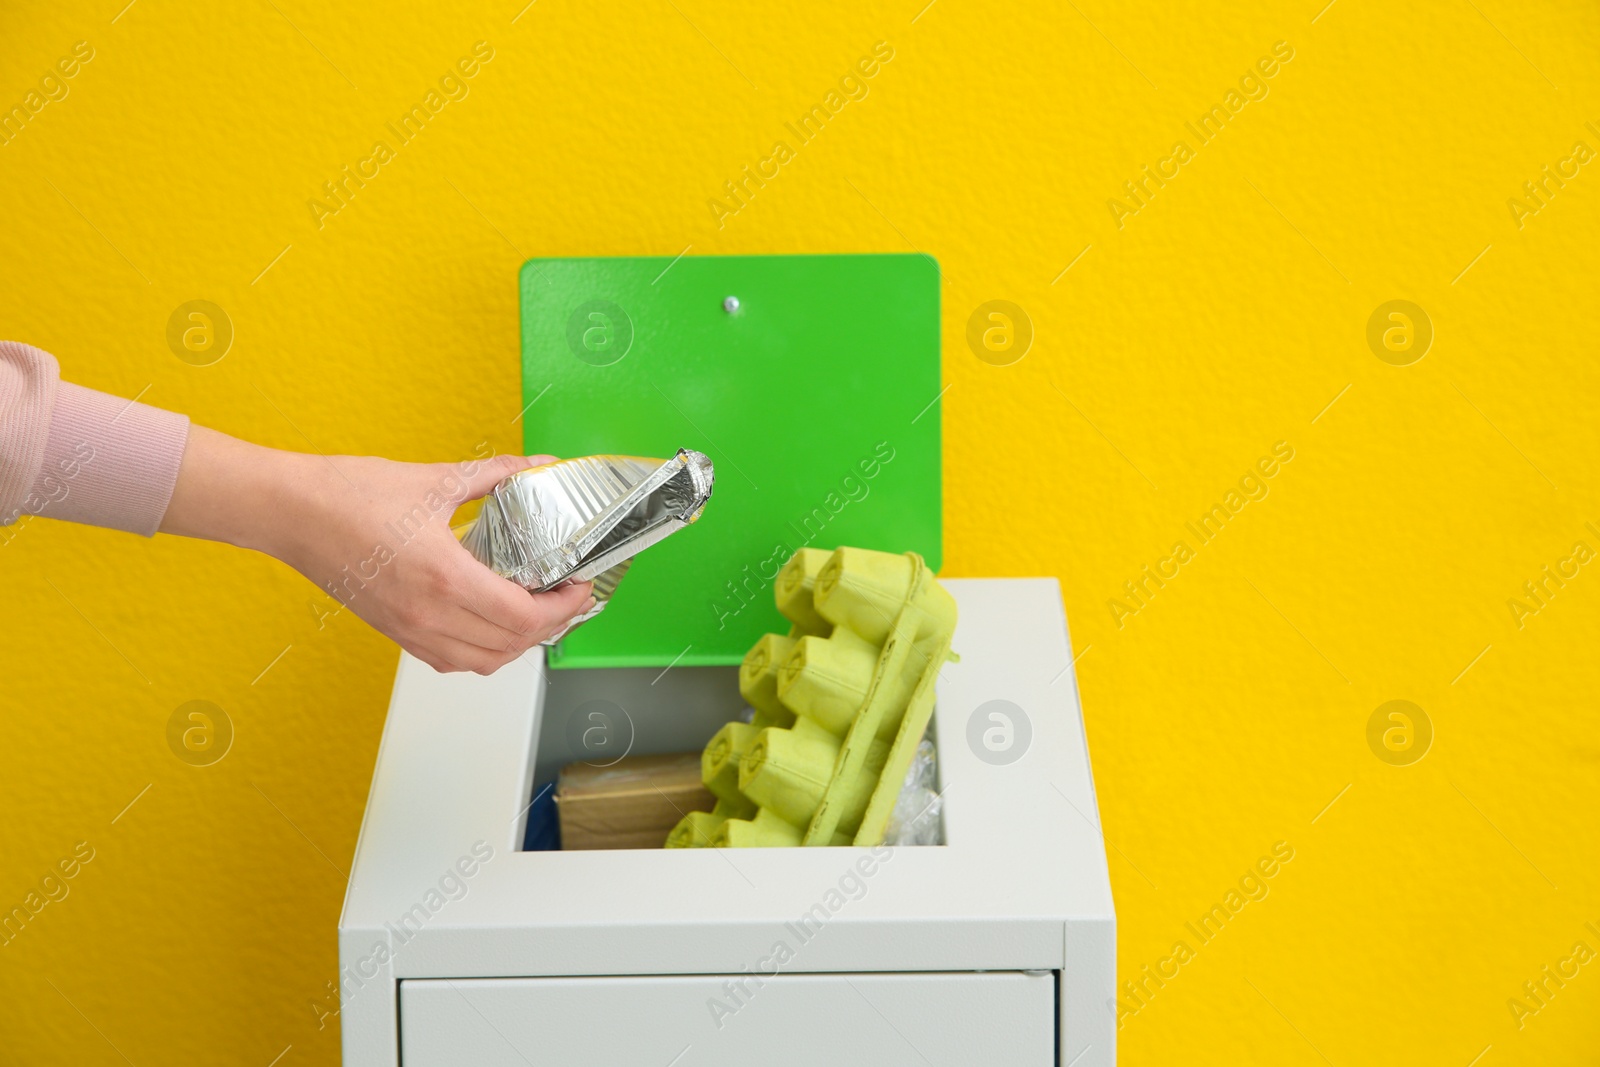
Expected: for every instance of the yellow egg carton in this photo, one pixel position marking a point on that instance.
(840, 705)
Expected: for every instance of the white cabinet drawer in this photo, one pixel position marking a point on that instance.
(885, 1020)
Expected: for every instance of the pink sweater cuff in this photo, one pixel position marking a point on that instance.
(109, 461)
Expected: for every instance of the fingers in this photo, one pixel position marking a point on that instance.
(448, 655)
(465, 641)
(535, 616)
(470, 618)
(508, 605)
(563, 602)
(464, 624)
(541, 616)
(489, 473)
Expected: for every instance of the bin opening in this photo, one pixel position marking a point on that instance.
(601, 722)
(829, 744)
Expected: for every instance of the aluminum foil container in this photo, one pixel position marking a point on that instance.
(585, 519)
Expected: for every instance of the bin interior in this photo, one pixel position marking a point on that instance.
(598, 715)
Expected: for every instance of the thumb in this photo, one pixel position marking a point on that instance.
(490, 472)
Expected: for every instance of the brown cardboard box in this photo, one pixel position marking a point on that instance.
(631, 803)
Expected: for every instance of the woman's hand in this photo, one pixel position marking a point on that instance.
(374, 534)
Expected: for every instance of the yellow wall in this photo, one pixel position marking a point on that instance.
(1223, 317)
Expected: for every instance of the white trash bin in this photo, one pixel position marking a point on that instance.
(997, 947)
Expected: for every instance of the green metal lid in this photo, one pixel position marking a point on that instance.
(811, 382)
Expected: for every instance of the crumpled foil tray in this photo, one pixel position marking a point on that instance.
(585, 519)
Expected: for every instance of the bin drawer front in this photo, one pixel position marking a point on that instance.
(887, 1020)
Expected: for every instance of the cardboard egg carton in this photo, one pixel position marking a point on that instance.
(840, 703)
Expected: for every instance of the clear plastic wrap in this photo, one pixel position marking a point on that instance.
(915, 820)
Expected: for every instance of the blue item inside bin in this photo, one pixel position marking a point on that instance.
(544, 828)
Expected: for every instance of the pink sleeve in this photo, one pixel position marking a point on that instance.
(72, 453)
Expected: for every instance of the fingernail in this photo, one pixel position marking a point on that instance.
(593, 601)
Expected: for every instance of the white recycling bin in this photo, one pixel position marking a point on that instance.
(457, 947)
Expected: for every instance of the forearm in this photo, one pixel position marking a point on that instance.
(240, 493)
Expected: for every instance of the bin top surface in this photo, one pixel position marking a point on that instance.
(815, 396)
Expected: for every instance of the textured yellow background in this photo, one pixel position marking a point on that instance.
(1223, 317)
